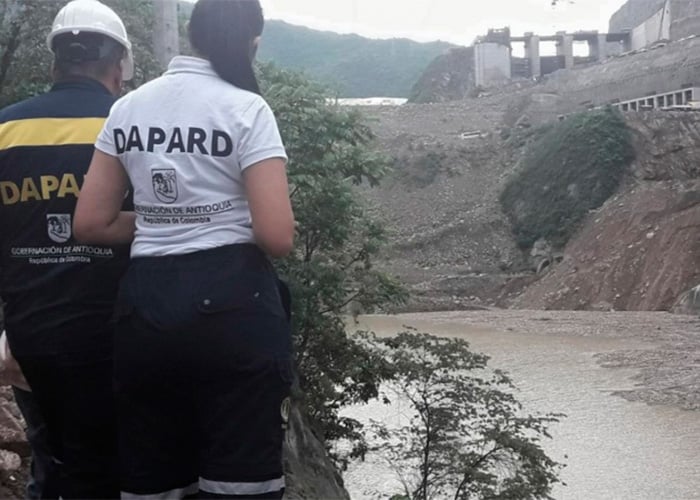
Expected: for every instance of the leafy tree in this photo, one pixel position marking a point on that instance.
(331, 270)
(329, 150)
(25, 60)
(467, 436)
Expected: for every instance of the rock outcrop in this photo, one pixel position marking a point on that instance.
(685, 16)
(310, 474)
(449, 77)
(689, 302)
(14, 450)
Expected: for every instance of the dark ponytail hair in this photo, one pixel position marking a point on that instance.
(223, 31)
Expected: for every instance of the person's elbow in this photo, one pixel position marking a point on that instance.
(87, 229)
(278, 243)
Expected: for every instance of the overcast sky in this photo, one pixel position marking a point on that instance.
(456, 21)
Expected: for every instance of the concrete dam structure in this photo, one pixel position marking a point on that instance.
(649, 59)
(495, 63)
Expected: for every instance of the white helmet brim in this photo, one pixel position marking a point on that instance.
(92, 16)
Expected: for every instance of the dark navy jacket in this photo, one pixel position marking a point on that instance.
(58, 294)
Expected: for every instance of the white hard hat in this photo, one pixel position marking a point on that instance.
(91, 16)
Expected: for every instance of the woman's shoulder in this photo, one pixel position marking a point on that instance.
(143, 93)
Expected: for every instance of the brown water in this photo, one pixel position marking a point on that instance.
(614, 448)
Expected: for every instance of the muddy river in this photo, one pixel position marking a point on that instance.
(629, 384)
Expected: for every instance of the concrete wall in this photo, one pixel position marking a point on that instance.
(492, 64)
(657, 27)
(685, 16)
(633, 13)
(660, 70)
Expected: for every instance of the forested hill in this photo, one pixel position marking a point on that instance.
(352, 65)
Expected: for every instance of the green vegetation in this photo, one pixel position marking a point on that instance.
(25, 61)
(331, 272)
(331, 268)
(568, 169)
(350, 64)
(464, 435)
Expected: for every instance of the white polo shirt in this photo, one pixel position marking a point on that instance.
(185, 139)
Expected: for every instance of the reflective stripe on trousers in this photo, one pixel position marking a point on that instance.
(165, 495)
(215, 487)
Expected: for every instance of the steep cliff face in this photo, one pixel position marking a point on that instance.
(685, 16)
(641, 250)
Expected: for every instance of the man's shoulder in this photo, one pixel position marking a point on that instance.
(58, 105)
(20, 110)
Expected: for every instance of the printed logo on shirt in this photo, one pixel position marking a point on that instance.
(153, 139)
(164, 182)
(58, 227)
(42, 188)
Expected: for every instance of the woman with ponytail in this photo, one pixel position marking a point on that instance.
(202, 344)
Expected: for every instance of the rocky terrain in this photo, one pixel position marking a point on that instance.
(14, 450)
(453, 246)
(450, 241)
(641, 250)
(440, 203)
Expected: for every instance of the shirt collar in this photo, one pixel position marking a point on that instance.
(188, 64)
(80, 83)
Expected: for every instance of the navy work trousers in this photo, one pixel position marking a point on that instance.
(77, 405)
(202, 375)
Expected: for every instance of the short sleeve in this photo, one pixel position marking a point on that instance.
(259, 137)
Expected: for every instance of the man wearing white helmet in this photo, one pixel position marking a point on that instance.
(59, 295)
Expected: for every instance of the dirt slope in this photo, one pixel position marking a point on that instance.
(639, 252)
(451, 243)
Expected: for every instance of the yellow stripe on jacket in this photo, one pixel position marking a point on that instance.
(49, 132)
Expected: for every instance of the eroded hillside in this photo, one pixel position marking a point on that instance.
(641, 249)
(441, 202)
(454, 247)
